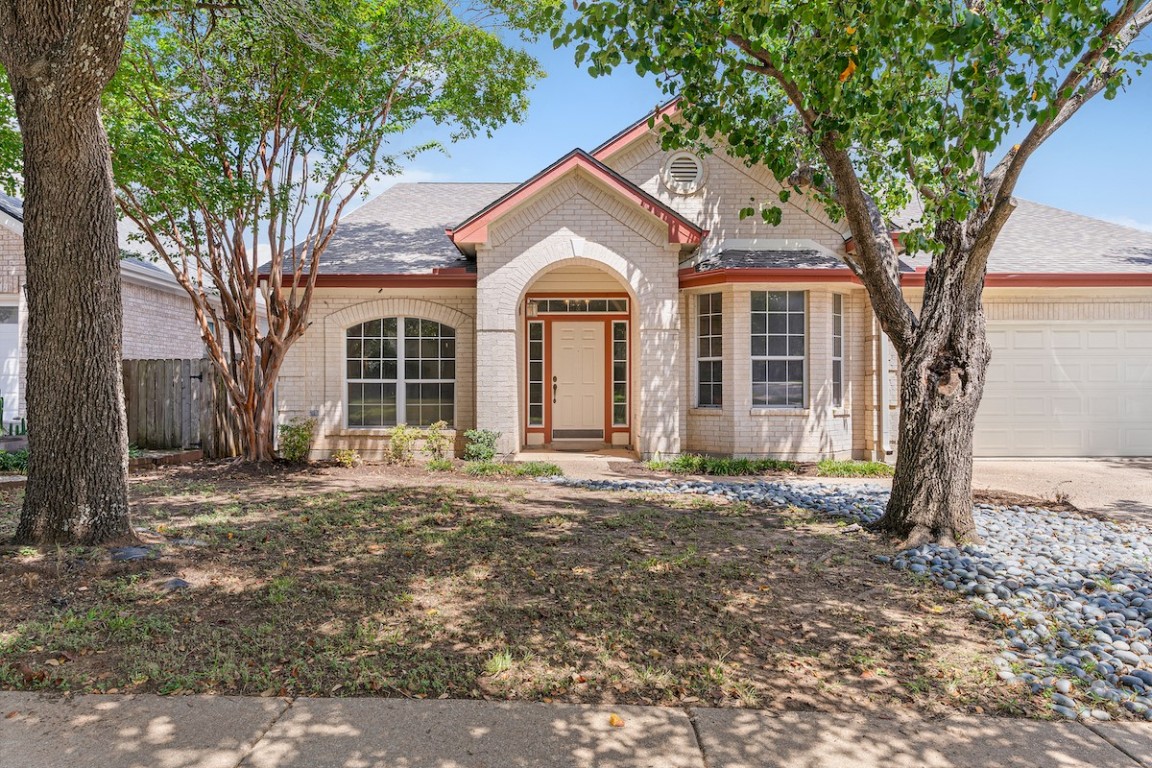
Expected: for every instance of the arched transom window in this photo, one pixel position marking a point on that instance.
(401, 370)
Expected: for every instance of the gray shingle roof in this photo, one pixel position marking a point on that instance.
(770, 259)
(402, 231)
(13, 206)
(1040, 238)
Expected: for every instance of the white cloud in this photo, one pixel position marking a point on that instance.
(1128, 221)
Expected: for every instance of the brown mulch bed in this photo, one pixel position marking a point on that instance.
(389, 581)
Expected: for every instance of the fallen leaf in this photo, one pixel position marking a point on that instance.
(615, 720)
(11, 714)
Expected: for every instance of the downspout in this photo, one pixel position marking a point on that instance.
(883, 396)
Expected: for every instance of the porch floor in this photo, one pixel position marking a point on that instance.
(582, 464)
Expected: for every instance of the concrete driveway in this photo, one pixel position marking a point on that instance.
(1121, 489)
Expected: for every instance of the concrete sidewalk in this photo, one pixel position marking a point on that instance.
(227, 732)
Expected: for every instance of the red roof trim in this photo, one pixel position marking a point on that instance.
(448, 277)
(475, 228)
(689, 278)
(634, 131)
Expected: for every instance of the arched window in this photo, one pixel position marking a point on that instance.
(400, 370)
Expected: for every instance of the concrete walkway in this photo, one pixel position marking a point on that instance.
(1120, 489)
(228, 732)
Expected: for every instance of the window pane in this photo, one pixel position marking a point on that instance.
(777, 345)
(759, 322)
(796, 346)
(619, 350)
(759, 394)
(373, 369)
(619, 371)
(759, 345)
(536, 331)
(777, 370)
(759, 301)
(354, 371)
(777, 323)
(777, 301)
(620, 332)
(620, 414)
(796, 301)
(759, 370)
(617, 305)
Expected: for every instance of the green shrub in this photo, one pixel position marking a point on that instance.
(14, 461)
(523, 469)
(346, 457)
(296, 439)
(440, 465)
(400, 441)
(435, 441)
(834, 468)
(481, 445)
(693, 464)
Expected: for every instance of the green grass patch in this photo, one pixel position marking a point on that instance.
(693, 464)
(834, 468)
(521, 469)
(439, 465)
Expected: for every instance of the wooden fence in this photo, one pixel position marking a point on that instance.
(178, 404)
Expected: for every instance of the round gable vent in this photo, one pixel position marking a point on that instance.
(683, 173)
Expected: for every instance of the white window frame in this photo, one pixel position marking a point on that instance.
(710, 358)
(786, 358)
(400, 381)
(837, 350)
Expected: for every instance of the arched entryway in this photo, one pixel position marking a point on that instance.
(578, 365)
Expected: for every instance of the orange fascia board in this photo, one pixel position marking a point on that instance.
(451, 277)
(634, 131)
(1054, 279)
(475, 229)
(689, 277)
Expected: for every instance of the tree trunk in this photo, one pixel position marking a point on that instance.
(77, 488)
(941, 383)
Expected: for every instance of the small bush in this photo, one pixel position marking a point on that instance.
(524, 469)
(296, 439)
(481, 444)
(435, 441)
(693, 464)
(14, 461)
(834, 468)
(440, 465)
(346, 457)
(400, 442)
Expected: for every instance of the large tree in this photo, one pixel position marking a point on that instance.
(863, 105)
(237, 147)
(59, 55)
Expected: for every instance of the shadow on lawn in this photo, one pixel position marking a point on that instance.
(472, 589)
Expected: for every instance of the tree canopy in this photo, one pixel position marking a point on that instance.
(236, 142)
(869, 106)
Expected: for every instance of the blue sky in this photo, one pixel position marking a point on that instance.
(1099, 164)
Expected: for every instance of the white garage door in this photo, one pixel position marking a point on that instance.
(1067, 389)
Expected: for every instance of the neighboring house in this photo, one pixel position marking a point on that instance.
(617, 298)
(158, 316)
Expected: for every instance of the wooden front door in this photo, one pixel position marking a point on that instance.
(577, 385)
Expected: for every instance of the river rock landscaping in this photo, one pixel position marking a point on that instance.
(1070, 594)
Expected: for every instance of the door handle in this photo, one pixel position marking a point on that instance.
(555, 386)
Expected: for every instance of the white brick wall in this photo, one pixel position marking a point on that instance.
(312, 379)
(619, 239)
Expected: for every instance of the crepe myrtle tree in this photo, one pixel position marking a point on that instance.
(238, 146)
(864, 105)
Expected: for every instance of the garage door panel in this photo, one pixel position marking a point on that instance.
(1138, 340)
(1071, 390)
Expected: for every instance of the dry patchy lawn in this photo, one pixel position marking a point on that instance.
(387, 582)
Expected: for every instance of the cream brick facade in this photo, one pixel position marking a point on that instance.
(312, 383)
(578, 222)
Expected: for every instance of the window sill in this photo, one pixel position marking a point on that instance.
(697, 410)
(378, 432)
(841, 413)
(769, 411)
